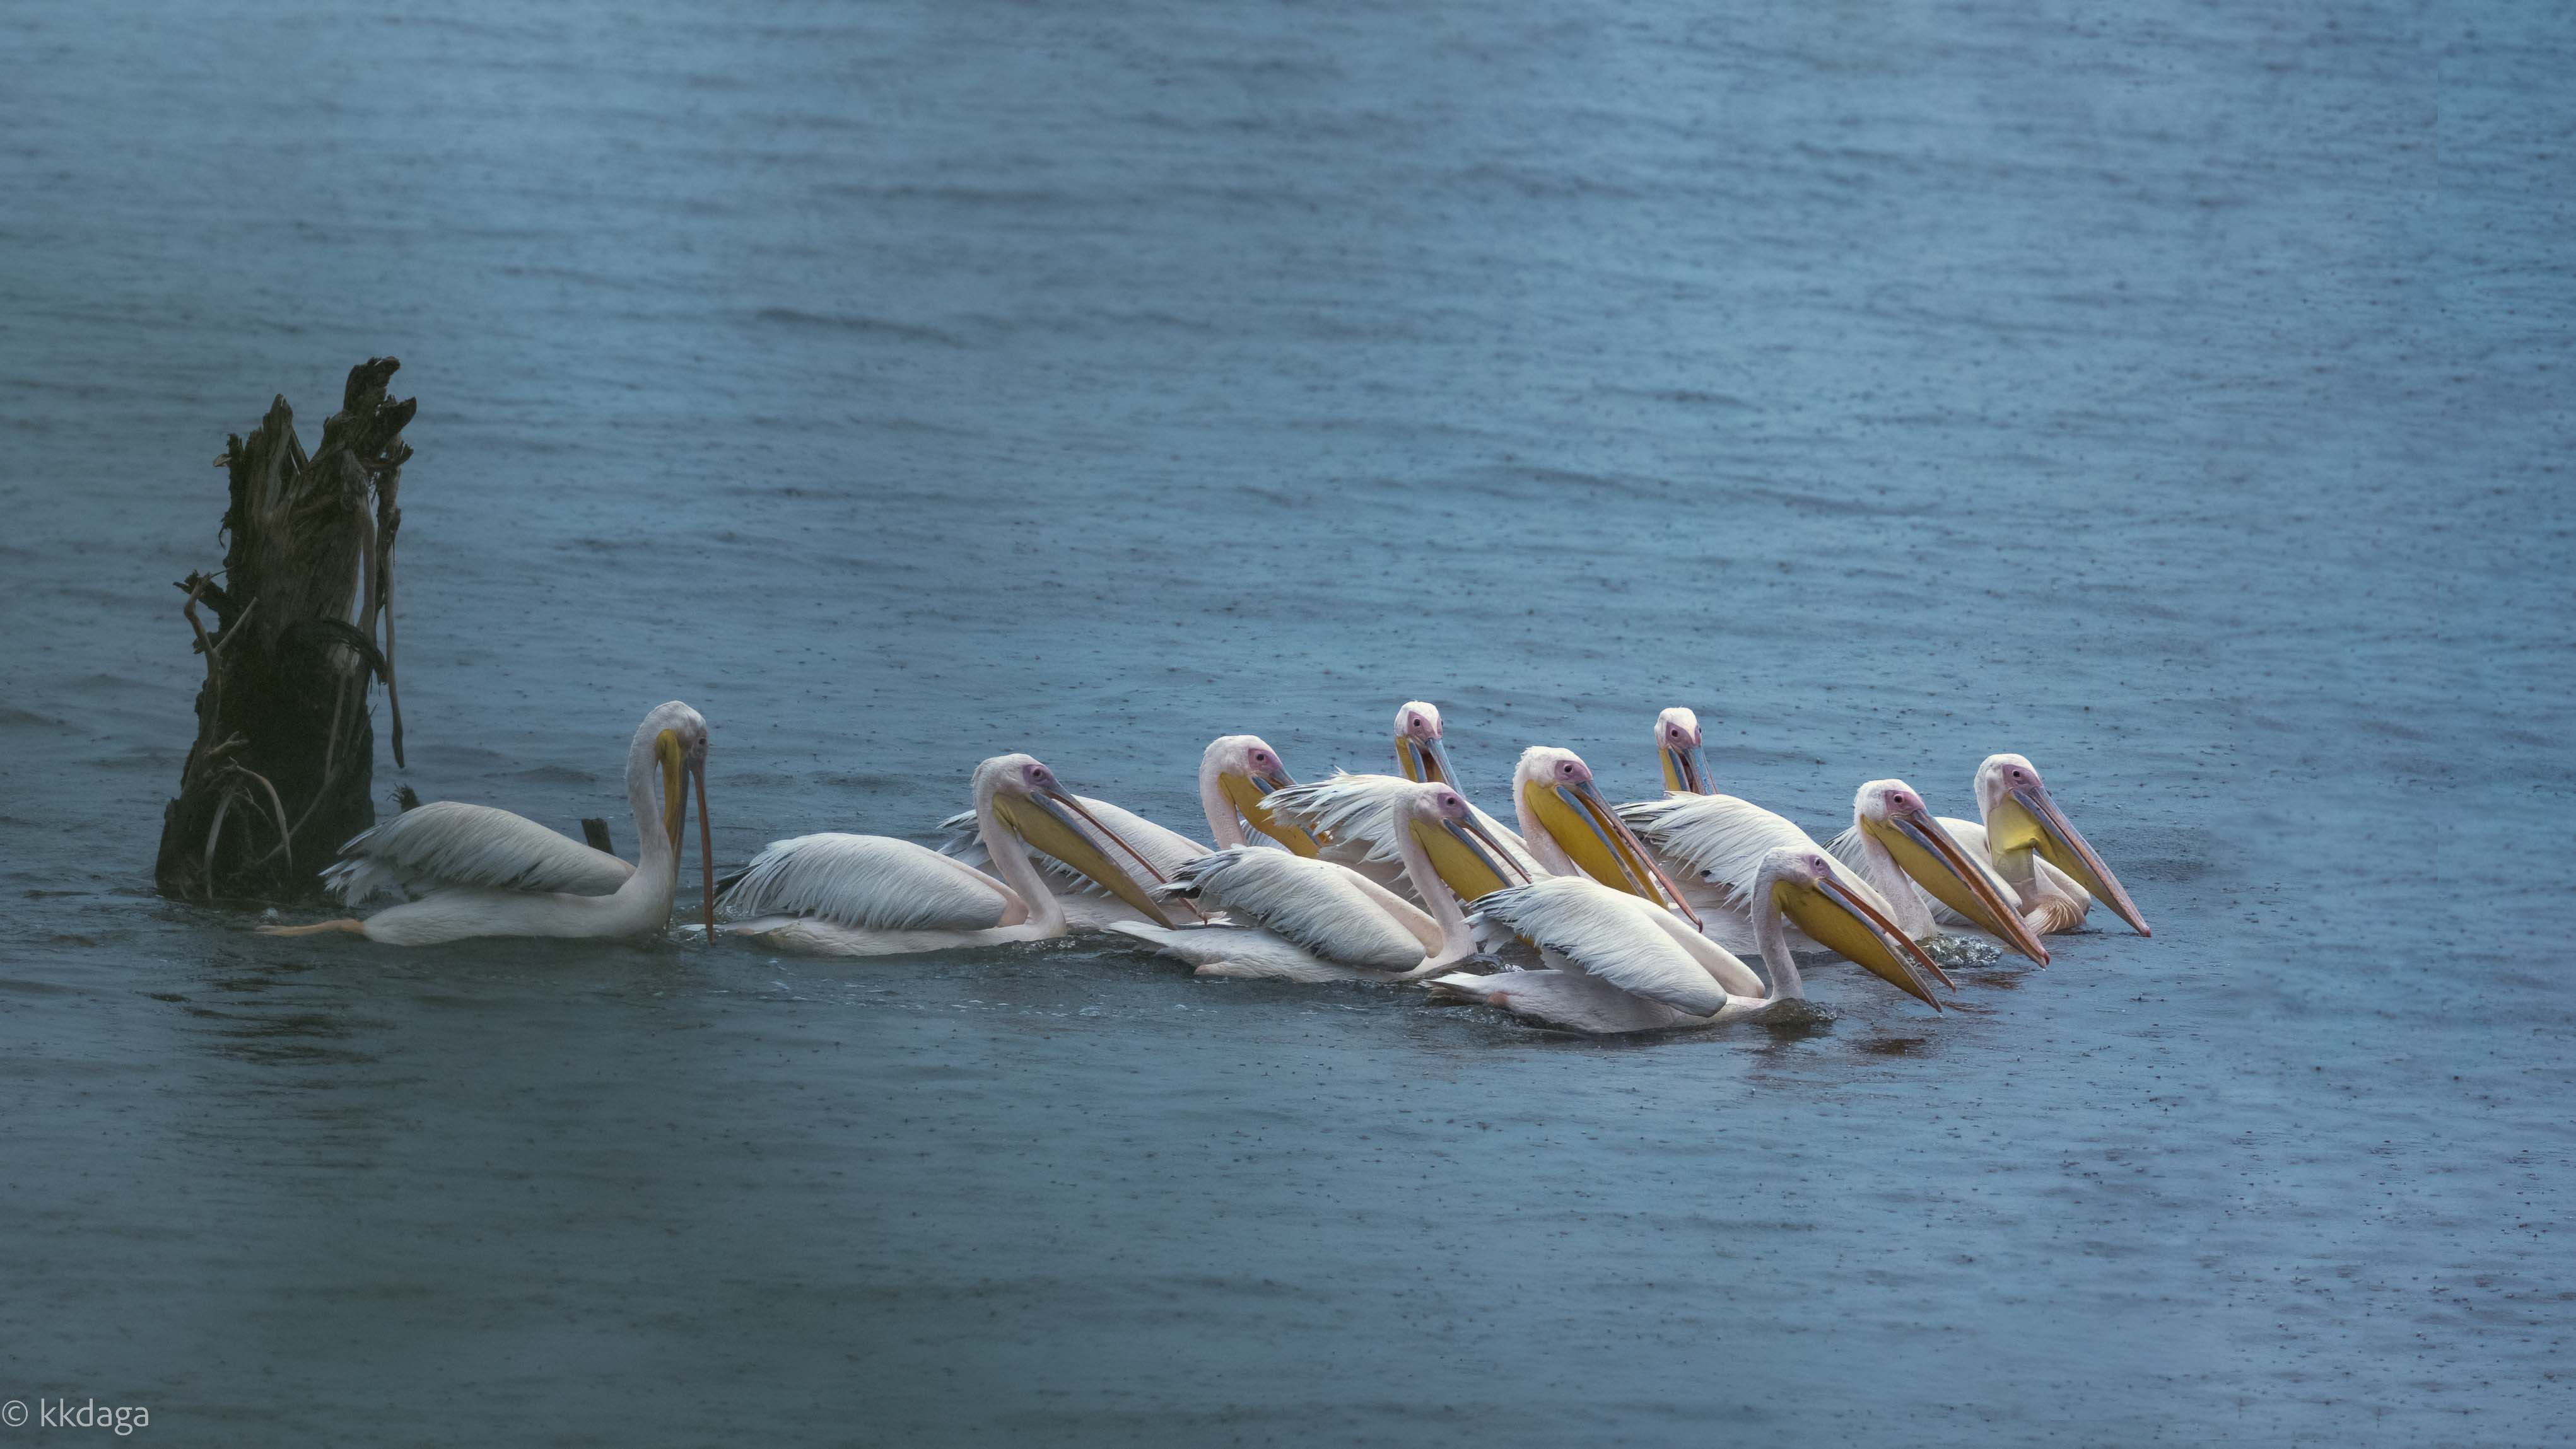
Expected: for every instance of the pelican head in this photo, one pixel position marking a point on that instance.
(1802, 884)
(1891, 813)
(1024, 796)
(2020, 815)
(1243, 769)
(679, 736)
(1555, 790)
(1419, 754)
(1677, 740)
(1462, 852)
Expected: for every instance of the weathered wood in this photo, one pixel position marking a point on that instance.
(283, 768)
(594, 829)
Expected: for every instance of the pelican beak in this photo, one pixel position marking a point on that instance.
(1838, 918)
(1927, 854)
(1600, 843)
(706, 843)
(1424, 760)
(1686, 770)
(1048, 823)
(2028, 818)
(1468, 860)
(679, 769)
(675, 799)
(1247, 793)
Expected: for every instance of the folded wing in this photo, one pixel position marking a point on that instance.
(447, 845)
(870, 882)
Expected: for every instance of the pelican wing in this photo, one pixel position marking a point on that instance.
(1721, 840)
(1609, 934)
(1313, 904)
(447, 845)
(869, 883)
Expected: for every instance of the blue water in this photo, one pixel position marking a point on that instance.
(2179, 398)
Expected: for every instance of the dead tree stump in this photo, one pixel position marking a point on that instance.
(283, 768)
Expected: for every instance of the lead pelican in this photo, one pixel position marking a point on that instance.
(1314, 920)
(1617, 964)
(873, 895)
(2033, 846)
(477, 871)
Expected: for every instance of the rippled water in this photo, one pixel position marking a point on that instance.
(2180, 399)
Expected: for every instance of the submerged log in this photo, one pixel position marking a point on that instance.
(283, 768)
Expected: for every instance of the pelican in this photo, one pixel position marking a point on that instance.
(873, 895)
(1106, 828)
(1677, 742)
(1897, 845)
(1618, 964)
(471, 870)
(1314, 920)
(1573, 831)
(1235, 773)
(1420, 753)
(2032, 845)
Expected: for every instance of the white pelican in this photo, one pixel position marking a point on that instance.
(1110, 829)
(1617, 964)
(1235, 773)
(1573, 831)
(1314, 920)
(873, 895)
(1420, 753)
(2033, 846)
(477, 871)
(1897, 845)
(1677, 742)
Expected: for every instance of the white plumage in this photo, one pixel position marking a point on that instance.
(1296, 919)
(1317, 906)
(447, 844)
(1616, 963)
(869, 883)
(1615, 936)
(873, 895)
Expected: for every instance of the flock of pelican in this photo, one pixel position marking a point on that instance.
(1640, 915)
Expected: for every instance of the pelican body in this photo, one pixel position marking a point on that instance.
(1293, 918)
(471, 870)
(874, 895)
(1617, 964)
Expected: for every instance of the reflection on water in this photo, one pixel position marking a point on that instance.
(908, 385)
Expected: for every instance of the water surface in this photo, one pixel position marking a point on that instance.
(2179, 399)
